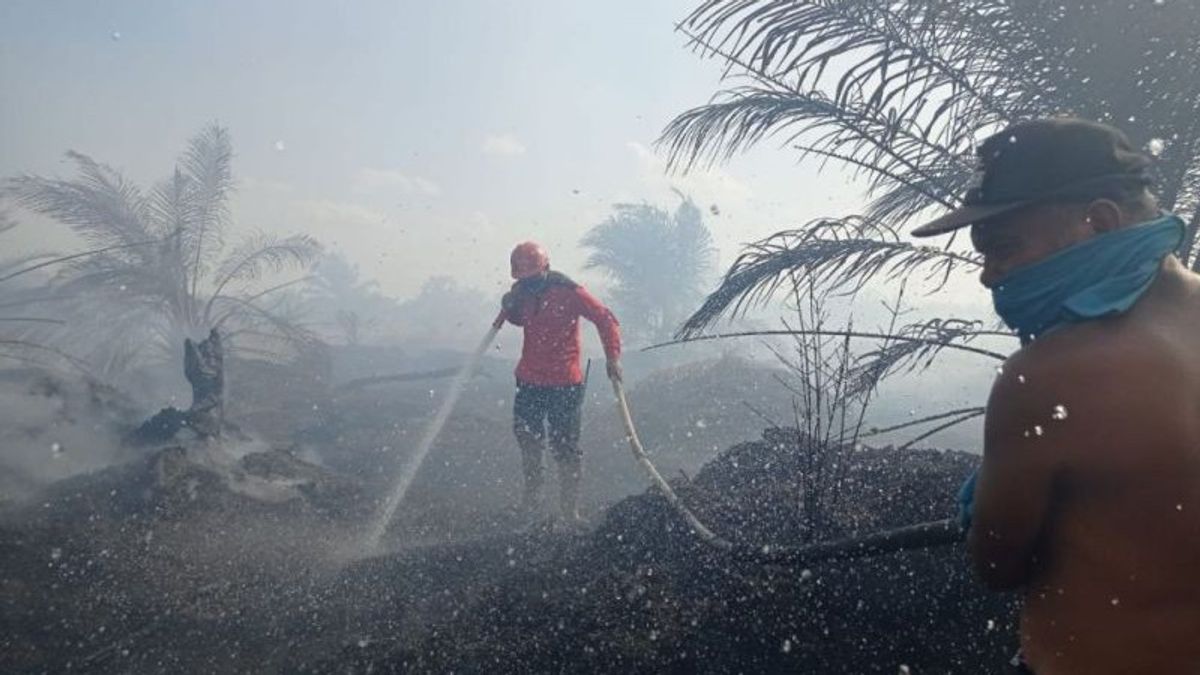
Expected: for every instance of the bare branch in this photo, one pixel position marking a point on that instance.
(831, 333)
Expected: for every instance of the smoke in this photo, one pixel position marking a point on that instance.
(55, 426)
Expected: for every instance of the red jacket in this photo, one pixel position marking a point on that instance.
(550, 353)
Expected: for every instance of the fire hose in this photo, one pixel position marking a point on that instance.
(921, 535)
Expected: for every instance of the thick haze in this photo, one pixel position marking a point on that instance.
(420, 138)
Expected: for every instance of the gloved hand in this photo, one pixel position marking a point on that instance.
(966, 501)
(613, 366)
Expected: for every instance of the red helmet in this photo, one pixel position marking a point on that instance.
(529, 259)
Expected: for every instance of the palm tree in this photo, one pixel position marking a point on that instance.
(899, 92)
(353, 308)
(159, 269)
(15, 304)
(658, 263)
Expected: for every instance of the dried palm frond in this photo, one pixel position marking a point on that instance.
(926, 45)
(31, 319)
(271, 334)
(916, 345)
(100, 205)
(896, 89)
(260, 254)
(877, 141)
(839, 255)
(978, 412)
(901, 89)
(907, 196)
(39, 261)
(207, 164)
(865, 335)
(956, 413)
(19, 349)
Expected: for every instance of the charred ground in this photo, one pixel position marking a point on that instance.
(243, 559)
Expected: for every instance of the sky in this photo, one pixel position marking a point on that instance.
(419, 138)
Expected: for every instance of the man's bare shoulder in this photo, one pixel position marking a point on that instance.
(1091, 385)
(1095, 351)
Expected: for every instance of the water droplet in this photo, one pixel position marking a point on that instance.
(991, 624)
(56, 448)
(363, 643)
(1021, 379)
(701, 424)
(280, 146)
(1037, 429)
(787, 647)
(905, 670)
(1156, 146)
(1116, 601)
(1026, 433)
(999, 370)
(1179, 507)
(116, 36)
(1060, 412)
(55, 553)
(805, 575)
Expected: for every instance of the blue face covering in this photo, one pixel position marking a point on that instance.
(1102, 276)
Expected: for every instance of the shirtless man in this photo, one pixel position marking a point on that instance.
(1088, 497)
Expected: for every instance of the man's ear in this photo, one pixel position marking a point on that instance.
(1103, 215)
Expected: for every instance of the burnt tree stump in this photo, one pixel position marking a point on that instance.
(204, 368)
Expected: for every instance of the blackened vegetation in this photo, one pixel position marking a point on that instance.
(640, 594)
(172, 564)
(204, 368)
(168, 563)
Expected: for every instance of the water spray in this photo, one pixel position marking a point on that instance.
(432, 430)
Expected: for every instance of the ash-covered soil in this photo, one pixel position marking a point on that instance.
(188, 562)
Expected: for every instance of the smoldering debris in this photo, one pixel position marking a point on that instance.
(167, 554)
(56, 425)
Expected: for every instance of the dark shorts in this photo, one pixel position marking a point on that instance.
(559, 408)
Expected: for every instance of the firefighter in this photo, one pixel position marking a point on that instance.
(548, 405)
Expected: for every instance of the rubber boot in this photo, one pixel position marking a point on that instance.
(570, 473)
(531, 466)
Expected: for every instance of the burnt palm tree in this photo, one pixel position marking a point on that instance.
(899, 92)
(159, 268)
